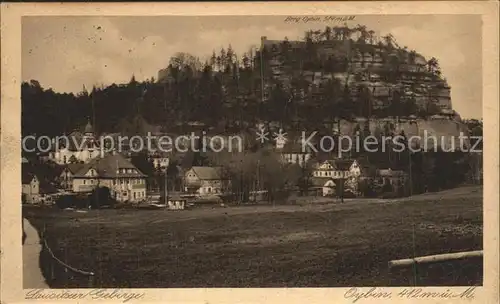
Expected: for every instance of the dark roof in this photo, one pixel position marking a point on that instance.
(55, 170)
(291, 147)
(46, 187)
(207, 173)
(343, 164)
(389, 172)
(27, 176)
(319, 181)
(107, 167)
(75, 140)
(73, 168)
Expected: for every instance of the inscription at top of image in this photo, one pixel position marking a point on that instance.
(310, 19)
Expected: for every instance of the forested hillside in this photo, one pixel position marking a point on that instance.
(335, 73)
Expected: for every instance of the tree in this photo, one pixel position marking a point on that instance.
(433, 65)
(246, 61)
(412, 56)
(143, 163)
(327, 33)
(213, 60)
(371, 35)
(363, 33)
(182, 60)
(100, 196)
(388, 41)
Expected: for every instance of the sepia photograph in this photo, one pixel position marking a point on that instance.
(286, 152)
(252, 151)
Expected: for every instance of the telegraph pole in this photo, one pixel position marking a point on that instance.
(262, 72)
(166, 186)
(93, 110)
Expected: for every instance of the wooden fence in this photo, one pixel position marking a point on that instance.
(451, 269)
(57, 272)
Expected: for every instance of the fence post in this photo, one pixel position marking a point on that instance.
(52, 270)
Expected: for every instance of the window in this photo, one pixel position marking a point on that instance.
(122, 181)
(84, 182)
(91, 181)
(114, 182)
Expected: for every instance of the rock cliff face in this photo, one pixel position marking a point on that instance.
(355, 58)
(443, 132)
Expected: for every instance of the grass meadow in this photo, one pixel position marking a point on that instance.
(300, 245)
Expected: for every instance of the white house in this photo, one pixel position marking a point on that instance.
(65, 179)
(327, 174)
(204, 181)
(336, 169)
(30, 186)
(124, 180)
(78, 148)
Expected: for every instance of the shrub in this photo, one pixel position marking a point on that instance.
(101, 197)
(72, 201)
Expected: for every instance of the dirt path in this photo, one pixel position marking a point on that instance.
(32, 275)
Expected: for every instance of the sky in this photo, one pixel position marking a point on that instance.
(66, 53)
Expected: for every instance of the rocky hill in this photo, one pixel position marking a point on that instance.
(359, 61)
(446, 131)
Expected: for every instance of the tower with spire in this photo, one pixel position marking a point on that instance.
(88, 132)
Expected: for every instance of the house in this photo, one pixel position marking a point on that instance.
(76, 148)
(114, 171)
(330, 170)
(394, 181)
(327, 175)
(160, 160)
(324, 186)
(30, 187)
(65, 178)
(293, 152)
(204, 181)
(176, 202)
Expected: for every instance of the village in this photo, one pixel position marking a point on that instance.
(256, 174)
(80, 171)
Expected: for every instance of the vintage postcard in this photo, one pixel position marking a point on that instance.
(251, 152)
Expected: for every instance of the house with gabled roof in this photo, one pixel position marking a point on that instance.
(328, 174)
(79, 147)
(205, 180)
(65, 178)
(124, 180)
(30, 186)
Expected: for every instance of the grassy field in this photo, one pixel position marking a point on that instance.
(269, 246)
